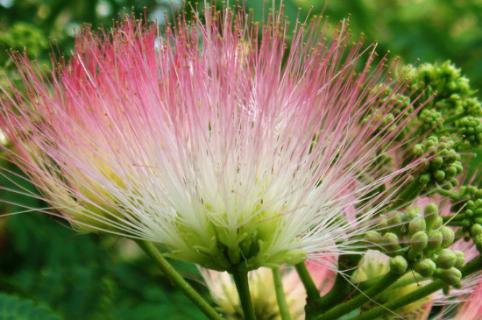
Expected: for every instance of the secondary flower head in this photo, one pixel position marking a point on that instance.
(211, 139)
(223, 291)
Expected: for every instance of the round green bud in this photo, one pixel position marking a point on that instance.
(446, 259)
(419, 241)
(390, 241)
(434, 222)
(476, 229)
(394, 219)
(412, 213)
(437, 162)
(451, 171)
(478, 242)
(435, 239)
(448, 236)
(478, 212)
(451, 276)
(439, 175)
(430, 210)
(373, 237)
(417, 150)
(383, 222)
(460, 259)
(417, 224)
(425, 267)
(398, 265)
(424, 179)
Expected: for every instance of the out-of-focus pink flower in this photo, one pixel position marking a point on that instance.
(212, 139)
(472, 308)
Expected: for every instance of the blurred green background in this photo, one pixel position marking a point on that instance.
(48, 271)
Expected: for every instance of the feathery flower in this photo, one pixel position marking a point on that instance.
(211, 139)
(472, 308)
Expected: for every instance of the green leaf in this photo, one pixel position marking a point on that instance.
(16, 308)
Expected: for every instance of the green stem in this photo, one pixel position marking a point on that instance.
(447, 193)
(341, 288)
(177, 279)
(240, 276)
(360, 299)
(280, 295)
(418, 294)
(311, 290)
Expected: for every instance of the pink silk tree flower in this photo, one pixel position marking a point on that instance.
(220, 141)
(472, 308)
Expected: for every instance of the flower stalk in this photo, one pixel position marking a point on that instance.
(344, 308)
(280, 295)
(178, 280)
(310, 286)
(240, 276)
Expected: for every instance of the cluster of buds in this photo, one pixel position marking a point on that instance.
(399, 107)
(470, 129)
(451, 107)
(442, 162)
(443, 83)
(468, 208)
(423, 240)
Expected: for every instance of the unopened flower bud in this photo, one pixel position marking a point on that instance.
(417, 224)
(430, 210)
(419, 241)
(460, 259)
(434, 222)
(448, 236)
(390, 241)
(424, 179)
(373, 237)
(412, 213)
(425, 267)
(446, 259)
(476, 229)
(478, 242)
(439, 175)
(394, 219)
(435, 239)
(452, 276)
(398, 265)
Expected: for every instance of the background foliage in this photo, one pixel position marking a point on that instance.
(48, 271)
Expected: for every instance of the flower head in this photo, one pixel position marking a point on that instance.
(223, 290)
(211, 139)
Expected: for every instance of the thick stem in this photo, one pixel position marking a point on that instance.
(418, 294)
(177, 279)
(280, 295)
(240, 276)
(311, 290)
(360, 299)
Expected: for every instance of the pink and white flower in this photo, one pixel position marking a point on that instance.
(211, 139)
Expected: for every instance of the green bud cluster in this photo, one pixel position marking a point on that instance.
(468, 208)
(398, 107)
(23, 36)
(443, 83)
(441, 162)
(449, 106)
(430, 119)
(470, 129)
(423, 241)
